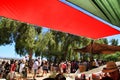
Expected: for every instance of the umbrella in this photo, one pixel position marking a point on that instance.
(96, 48)
(57, 15)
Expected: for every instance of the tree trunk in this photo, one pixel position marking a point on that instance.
(30, 62)
(30, 55)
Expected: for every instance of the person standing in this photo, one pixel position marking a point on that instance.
(12, 70)
(45, 68)
(35, 68)
(22, 65)
(68, 67)
(39, 65)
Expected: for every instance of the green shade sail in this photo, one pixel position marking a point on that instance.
(108, 10)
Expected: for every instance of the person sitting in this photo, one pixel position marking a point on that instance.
(111, 70)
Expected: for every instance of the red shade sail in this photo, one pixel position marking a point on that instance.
(55, 15)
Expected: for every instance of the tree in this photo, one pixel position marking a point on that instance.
(25, 39)
(54, 48)
(22, 34)
(42, 43)
(114, 42)
(7, 28)
(64, 45)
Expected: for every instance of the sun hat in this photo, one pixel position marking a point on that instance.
(110, 67)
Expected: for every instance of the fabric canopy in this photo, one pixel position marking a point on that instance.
(108, 10)
(56, 15)
(97, 48)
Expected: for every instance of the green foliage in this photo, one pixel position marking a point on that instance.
(7, 28)
(105, 41)
(102, 41)
(111, 57)
(25, 39)
(114, 42)
(42, 43)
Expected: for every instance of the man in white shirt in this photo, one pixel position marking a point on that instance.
(35, 68)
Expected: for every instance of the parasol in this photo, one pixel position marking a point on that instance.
(97, 48)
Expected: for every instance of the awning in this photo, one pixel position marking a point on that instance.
(55, 15)
(97, 48)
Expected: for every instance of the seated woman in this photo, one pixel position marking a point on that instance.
(111, 71)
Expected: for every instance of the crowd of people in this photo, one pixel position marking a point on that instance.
(8, 69)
